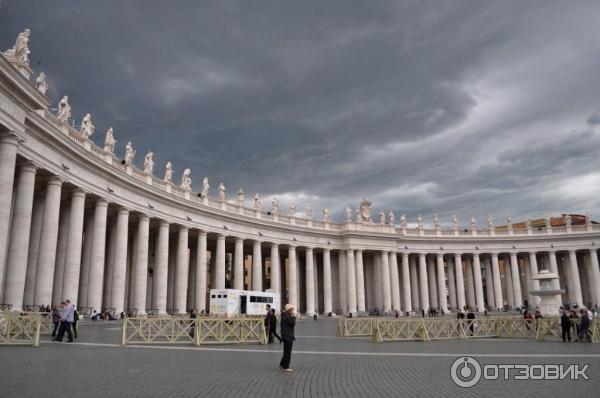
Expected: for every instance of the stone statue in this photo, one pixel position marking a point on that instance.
(241, 196)
(63, 114)
(588, 219)
(473, 223)
(149, 163)
(528, 222)
(20, 51)
(205, 187)
(436, 221)
(275, 206)
(454, 222)
(381, 217)
(41, 84)
(168, 172)
(109, 141)
(568, 221)
(292, 210)
(547, 222)
(186, 180)
(419, 222)
(509, 220)
(257, 202)
(365, 210)
(325, 214)
(403, 221)
(490, 221)
(129, 153)
(309, 213)
(392, 218)
(348, 213)
(221, 192)
(87, 127)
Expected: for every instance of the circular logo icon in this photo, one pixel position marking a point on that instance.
(465, 372)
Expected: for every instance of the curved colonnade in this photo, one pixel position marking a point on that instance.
(77, 223)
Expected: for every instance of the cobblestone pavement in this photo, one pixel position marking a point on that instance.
(326, 366)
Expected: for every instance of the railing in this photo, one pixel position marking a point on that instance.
(352, 327)
(198, 331)
(20, 329)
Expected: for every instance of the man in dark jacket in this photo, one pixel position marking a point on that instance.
(565, 325)
(584, 327)
(288, 321)
(273, 327)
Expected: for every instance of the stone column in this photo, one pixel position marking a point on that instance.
(471, 300)
(343, 281)
(377, 281)
(414, 283)
(181, 270)
(86, 257)
(74, 243)
(141, 265)
(275, 268)
(460, 282)
(18, 248)
(120, 262)
(510, 293)
(423, 283)
(431, 279)
(201, 275)
(8, 158)
(360, 282)
(533, 268)
(238, 264)
(395, 277)
(406, 283)
(34, 247)
(386, 282)
(161, 268)
(48, 239)
(220, 264)
(595, 270)
(351, 281)
(327, 295)
(256, 267)
(451, 284)
(96, 277)
(110, 264)
(316, 279)
(292, 281)
(573, 275)
(61, 254)
(478, 283)
(514, 265)
(498, 300)
(441, 280)
(310, 282)
(489, 284)
(554, 269)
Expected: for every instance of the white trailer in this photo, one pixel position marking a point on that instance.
(231, 302)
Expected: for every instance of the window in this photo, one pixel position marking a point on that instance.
(213, 296)
(252, 299)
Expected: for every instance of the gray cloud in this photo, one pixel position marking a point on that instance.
(453, 107)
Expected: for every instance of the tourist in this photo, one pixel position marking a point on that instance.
(273, 327)
(574, 323)
(528, 318)
(288, 321)
(67, 319)
(584, 327)
(75, 320)
(471, 320)
(55, 320)
(267, 322)
(565, 325)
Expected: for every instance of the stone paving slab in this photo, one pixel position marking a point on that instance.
(325, 367)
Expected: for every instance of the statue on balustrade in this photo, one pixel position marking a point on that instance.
(41, 84)
(568, 220)
(473, 223)
(241, 196)
(588, 219)
(365, 210)
(129, 153)
(381, 216)
(186, 180)
(205, 187)
(491, 222)
(419, 222)
(528, 222)
(455, 222)
(149, 163)
(325, 215)
(436, 221)
(391, 218)
(348, 213)
(547, 222)
(309, 213)
(109, 141)
(509, 221)
(403, 221)
(292, 210)
(63, 114)
(275, 206)
(257, 202)
(20, 51)
(221, 192)
(168, 172)
(87, 127)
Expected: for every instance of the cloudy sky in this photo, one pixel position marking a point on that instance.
(454, 107)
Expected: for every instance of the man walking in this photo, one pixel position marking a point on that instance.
(565, 325)
(273, 327)
(66, 321)
(288, 321)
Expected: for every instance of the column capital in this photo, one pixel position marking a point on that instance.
(55, 180)
(28, 166)
(183, 228)
(164, 223)
(9, 137)
(202, 233)
(101, 202)
(123, 210)
(78, 192)
(572, 251)
(220, 237)
(326, 250)
(144, 217)
(273, 244)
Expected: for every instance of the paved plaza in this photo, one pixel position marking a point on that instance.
(326, 366)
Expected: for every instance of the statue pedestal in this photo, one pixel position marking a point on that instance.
(149, 179)
(128, 169)
(108, 157)
(187, 195)
(309, 222)
(205, 200)
(275, 217)
(23, 68)
(550, 299)
(223, 205)
(168, 187)
(87, 145)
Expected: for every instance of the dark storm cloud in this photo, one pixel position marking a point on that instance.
(463, 107)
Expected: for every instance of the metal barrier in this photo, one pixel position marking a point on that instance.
(198, 331)
(398, 330)
(352, 327)
(18, 329)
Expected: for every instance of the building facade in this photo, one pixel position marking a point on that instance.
(78, 223)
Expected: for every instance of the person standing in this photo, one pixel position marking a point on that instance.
(267, 323)
(565, 325)
(66, 321)
(55, 320)
(584, 327)
(273, 327)
(288, 321)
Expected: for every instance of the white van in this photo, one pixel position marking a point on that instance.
(233, 302)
